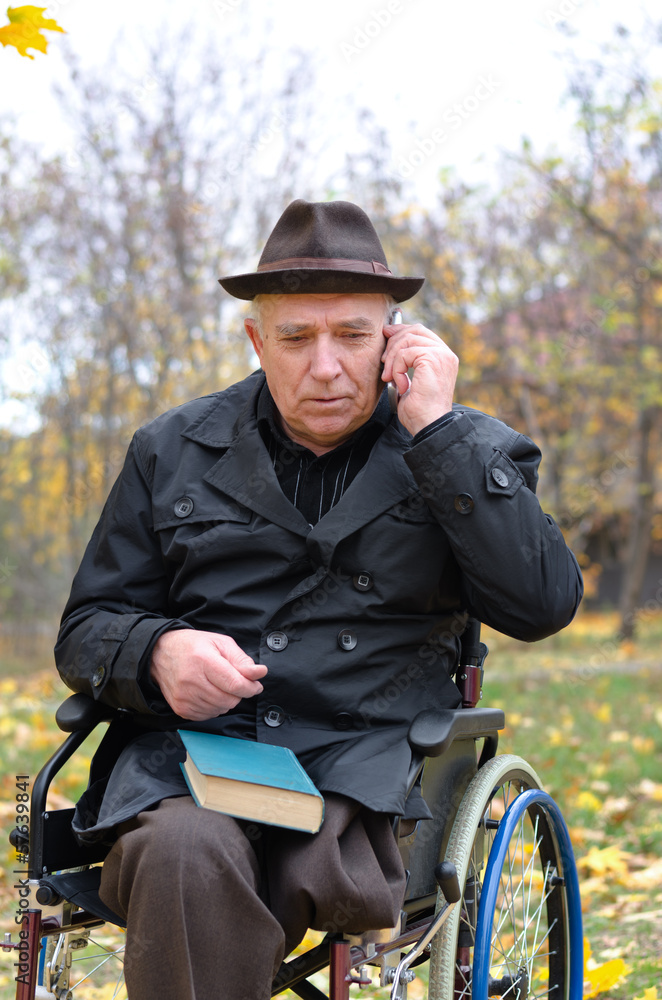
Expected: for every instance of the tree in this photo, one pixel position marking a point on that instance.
(110, 271)
(613, 192)
(114, 251)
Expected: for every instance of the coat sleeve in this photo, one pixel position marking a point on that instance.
(478, 478)
(118, 606)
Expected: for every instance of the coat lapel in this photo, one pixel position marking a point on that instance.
(245, 472)
(384, 481)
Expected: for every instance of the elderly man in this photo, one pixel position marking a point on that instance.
(273, 563)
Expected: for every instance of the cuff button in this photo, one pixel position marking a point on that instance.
(98, 675)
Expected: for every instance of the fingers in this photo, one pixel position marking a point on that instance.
(429, 395)
(242, 663)
(417, 341)
(203, 674)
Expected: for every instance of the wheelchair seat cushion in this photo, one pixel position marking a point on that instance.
(82, 888)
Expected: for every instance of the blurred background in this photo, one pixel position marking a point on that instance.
(511, 154)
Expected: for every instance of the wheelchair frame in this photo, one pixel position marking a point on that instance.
(443, 861)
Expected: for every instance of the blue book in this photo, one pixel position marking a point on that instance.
(254, 781)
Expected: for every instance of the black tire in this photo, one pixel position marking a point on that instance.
(529, 951)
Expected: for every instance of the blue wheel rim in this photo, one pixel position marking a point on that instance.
(491, 882)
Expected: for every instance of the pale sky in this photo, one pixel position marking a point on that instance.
(452, 82)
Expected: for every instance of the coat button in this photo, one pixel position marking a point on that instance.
(98, 676)
(184, 507)
(500, 477)
(363, 581)
(277, 641)
(463, 503)
(274, 716)
(347, 639)
(343, 720)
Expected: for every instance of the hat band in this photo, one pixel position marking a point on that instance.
(326, 263)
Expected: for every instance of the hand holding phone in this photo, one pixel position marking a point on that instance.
(420, 370)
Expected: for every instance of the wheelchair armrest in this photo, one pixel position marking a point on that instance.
(433, 730)
(80, 712)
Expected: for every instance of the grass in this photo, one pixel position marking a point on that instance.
(584, 711)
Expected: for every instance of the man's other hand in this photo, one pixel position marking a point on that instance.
(203, 674)
(429, 395)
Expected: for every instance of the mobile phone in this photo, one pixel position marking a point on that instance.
(393, 395)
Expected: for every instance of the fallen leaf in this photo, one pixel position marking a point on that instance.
(618, 809)
(587, 800)
(603, 712)
(619, 736)
(648, 878)
(599, 978)
(651, 789)
(653, 916)
(603, 861)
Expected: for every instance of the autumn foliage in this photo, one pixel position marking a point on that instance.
(25, 28)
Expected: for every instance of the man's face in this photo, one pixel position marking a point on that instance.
(321, 355)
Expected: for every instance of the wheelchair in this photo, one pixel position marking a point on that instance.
(492, 906)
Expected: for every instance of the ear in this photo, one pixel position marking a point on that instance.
(251, 329)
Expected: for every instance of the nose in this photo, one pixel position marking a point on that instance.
(325, 360)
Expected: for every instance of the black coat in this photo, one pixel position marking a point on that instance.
(358, 618)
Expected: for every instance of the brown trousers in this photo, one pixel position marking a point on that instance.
(213, 904)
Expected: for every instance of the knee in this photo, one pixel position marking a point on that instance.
(182, 842)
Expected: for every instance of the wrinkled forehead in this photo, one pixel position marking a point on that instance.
(322, 308)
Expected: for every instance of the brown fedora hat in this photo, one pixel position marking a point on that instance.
(323, 246)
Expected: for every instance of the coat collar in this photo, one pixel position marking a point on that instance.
(245, 472)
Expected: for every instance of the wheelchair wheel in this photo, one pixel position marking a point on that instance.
(83, 965)
(520, 919)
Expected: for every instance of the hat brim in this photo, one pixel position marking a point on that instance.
(304, 281)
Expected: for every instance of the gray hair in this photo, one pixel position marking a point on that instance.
(260, 306)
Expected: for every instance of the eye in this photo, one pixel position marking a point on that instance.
(295, 338)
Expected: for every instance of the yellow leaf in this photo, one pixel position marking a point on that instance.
(25, 27)
(649, 994)
(599, 978)
(619, 736)
(605, 861)
(587, 800)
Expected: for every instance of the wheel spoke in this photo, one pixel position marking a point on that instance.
(87, 962)
(518, 938)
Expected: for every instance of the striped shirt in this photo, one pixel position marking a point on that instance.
(314, 484)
